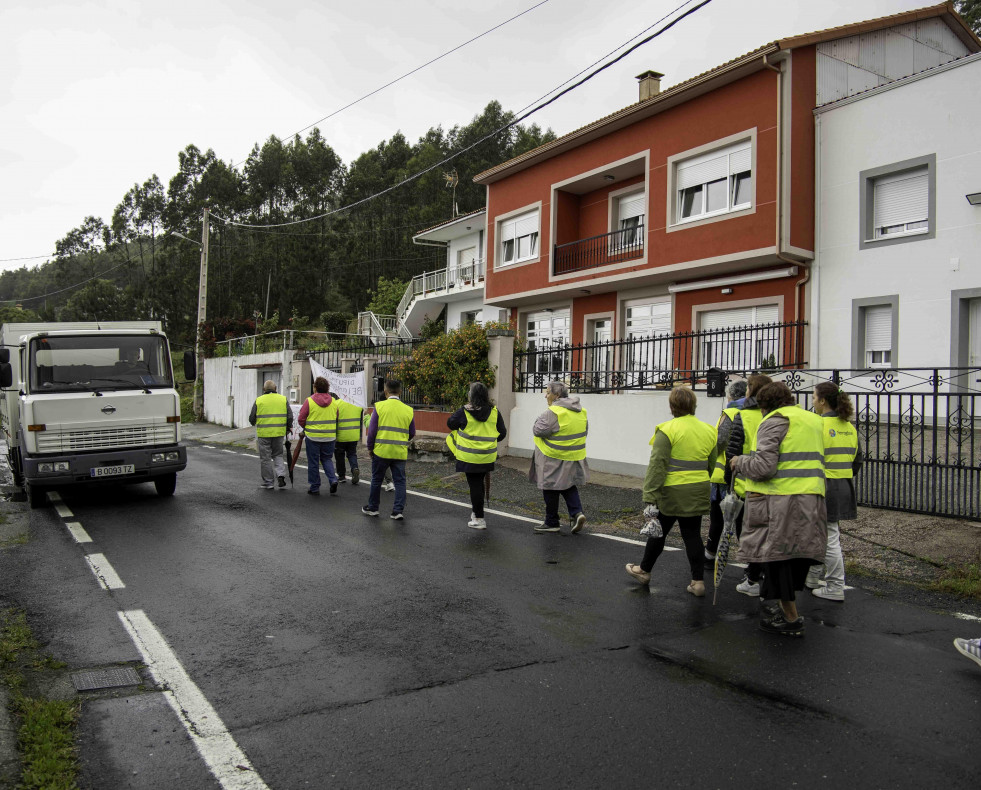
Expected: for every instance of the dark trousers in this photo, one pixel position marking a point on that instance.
(691, 534)
(379, 466)
(348, 450)
(320, 454)
(476, 482)
(716, 525)
(572, 503)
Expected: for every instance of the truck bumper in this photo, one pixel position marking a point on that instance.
(81, 465)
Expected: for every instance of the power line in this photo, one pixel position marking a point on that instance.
(541, 105)
(410, 73)
(70, 287)
(27, 258)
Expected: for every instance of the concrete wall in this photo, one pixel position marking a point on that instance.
(937, 119)
(230, 389)
(620, 427)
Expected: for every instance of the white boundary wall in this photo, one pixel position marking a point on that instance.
(620, 426)
(230, 391)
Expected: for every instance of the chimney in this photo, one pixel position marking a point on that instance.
(650, 84)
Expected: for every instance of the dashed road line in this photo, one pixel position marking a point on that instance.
(214, 742)
(63, 510)
(231, 451)
(78, 532)
(209, 446)
(962, 616)
(104, 572)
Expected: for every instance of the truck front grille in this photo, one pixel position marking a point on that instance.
(107, 438)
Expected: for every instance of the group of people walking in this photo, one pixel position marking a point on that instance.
(793, 467)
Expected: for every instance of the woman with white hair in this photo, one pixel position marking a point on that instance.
(558, 465)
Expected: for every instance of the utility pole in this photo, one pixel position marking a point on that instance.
(202, 310)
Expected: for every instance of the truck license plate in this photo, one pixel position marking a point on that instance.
(113, 471)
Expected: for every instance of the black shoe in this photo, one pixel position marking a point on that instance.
(396, 516)
(282, 481)
(333, 488)
(314, 491)
(355, 476)
(368, 511)
(769, 610)
(780, 625)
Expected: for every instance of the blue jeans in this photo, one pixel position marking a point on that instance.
(572, 502)
(320, 454)
(378, 468)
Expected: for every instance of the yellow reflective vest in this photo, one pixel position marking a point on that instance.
(692, 442)
(840, 448)
(270, 415)
(348, 421)
(800, 465)
(477, 443)
(321, 424)
(392, 438)
(569, 444)
(751, 419)
(719, 473)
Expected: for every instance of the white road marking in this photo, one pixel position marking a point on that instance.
(104, 572)
(214, 743)
(230, 451)
(209, 446)
(63, 511)
(962, 616)
(629, 540)
(78, 532)
(54, 496)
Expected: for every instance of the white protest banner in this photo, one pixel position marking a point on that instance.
(294, 435)
(351, 387)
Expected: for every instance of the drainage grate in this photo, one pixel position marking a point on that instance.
(105, 679)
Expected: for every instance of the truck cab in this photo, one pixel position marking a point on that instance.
(89, 403)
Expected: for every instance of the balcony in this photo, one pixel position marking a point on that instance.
(443, 285)
(597, 251)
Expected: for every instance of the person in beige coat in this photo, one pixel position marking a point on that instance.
(785, 531)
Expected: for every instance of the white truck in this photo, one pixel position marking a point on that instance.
(86, 403)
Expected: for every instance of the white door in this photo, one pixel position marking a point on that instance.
(549, 330)
(647, 357)
(464, 267)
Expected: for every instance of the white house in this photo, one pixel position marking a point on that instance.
(897, 275)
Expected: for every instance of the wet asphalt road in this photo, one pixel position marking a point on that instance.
(343, 651)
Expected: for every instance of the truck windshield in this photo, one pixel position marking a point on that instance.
(99, 362)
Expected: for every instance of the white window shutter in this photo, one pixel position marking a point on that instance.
(878, 328)
(631, 206)
(901, 199)
(726, 319)
(526, 224)
(766, 314)
(701, 171)
(740, 160)
(507, 230)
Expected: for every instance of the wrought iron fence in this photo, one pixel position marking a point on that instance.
(416, 397)
(359, 347)
(660, 361)
(620, 245)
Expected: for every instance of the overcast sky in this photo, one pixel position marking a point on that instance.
(96, 96)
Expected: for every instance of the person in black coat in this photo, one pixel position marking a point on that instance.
(479, 408)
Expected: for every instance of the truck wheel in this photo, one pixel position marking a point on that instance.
(166, 485)
(37, 496)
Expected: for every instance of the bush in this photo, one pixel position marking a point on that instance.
(335, 321)
(442, 369)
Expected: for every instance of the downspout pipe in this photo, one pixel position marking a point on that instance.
(780, 155)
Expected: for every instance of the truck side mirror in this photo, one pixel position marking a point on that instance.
(6, 373)
(190, 366)
(4, 356)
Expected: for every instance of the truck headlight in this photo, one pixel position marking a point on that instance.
(45, 468)
(156, 458)
(62, 466)
(173, 456)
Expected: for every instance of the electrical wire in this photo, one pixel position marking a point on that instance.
(410, 73)
(70, 287)
(27, 258)
(541, 105)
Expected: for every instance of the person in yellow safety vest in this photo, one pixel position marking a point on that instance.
(677, 483)
(842, 461)
(390, 430)
(476, 429)
(742, 441)
(318, 418)
(558, 464)
(786, 517)
(273, 419)
(349, 419)
(737, 392)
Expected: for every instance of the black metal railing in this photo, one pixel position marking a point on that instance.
(660, 361)
(596, 251)
(357, 348)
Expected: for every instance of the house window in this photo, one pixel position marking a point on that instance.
(878, 336)
(901, 204)
(630, 213)
(974, 334)
(470, 317)
(642, 358)
(464, 270)
(519, 238)
(715, 183)
(743, 338)
(548, 331)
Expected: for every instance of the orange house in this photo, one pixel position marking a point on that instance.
(692, 210)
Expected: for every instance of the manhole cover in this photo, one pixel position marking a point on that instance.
(105, 679)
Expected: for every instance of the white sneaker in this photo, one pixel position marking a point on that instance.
(477, 523)
(746, 587)
(814, 582)
(828, 594)
(388, 487)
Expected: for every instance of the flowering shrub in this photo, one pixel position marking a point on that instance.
(441, 370)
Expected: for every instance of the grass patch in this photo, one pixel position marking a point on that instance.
(964, 581)
(434, 483)
(45, 728)
(16, 540)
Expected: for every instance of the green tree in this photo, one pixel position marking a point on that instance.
(17, 315)
(387, 295)
(971, 11)
(100, 300)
